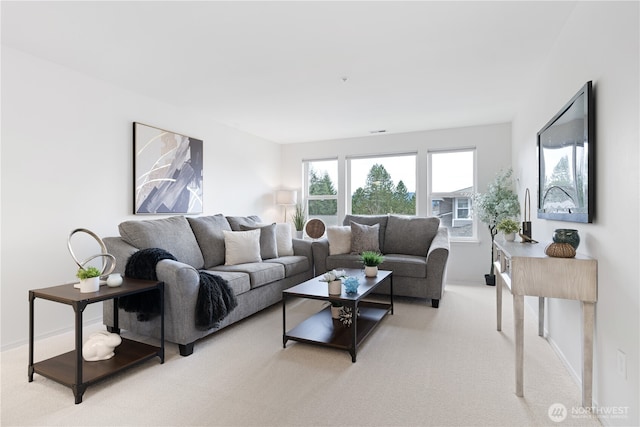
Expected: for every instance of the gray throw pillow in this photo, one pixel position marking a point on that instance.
(370, 220)
(172, 234)
(410, 235)
(268, 242)
(251, 221)
(208, 232)
(364, 238)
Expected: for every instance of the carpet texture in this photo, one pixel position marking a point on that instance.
(420, 367)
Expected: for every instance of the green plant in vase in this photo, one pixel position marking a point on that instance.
(371, 258)
(371, 261)
(87, 273)
(299, 217)
(508, 227)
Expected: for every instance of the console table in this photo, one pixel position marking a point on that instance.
(69, 368)
(525, 269)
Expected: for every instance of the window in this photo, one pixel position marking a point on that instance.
(321, 188)
(382, 185)
(451, 182)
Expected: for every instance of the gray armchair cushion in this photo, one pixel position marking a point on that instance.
(370, 220)
(208, 232)
(172, 234)
(268, 242)
(410, 235)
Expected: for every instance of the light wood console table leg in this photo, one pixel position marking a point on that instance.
(518, 319)
(499, 301)
(541, 316)
(588, 318)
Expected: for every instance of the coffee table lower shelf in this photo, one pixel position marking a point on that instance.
(321, 329)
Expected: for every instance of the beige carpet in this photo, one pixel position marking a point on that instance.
(422, 366)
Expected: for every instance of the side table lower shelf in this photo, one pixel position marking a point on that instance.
(61, 368)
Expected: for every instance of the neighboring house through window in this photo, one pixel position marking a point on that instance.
(451, 181)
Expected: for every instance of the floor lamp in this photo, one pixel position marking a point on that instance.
(286, 198)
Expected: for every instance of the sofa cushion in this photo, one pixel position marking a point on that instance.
(172, 234)
(268, 245)
(260, 273)
(284, 239)
(208, 232)
(251, 220)
(339, 239)
(370, 220)
(410, 235)
(364, 238)
(292, 264)
(238, 282)
(241, 247)
(405, 265)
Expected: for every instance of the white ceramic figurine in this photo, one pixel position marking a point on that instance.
(100, 346)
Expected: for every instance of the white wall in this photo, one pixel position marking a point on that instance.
(67, 163)
(599, 43)
(468, 262)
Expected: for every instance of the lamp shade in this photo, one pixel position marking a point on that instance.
(286, 197)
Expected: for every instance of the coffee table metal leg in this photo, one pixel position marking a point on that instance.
(284, 321)
(354, 332)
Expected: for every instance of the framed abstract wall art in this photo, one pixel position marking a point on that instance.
(167, 171)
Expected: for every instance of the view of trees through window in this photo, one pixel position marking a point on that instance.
(320, 184)
(381, 196)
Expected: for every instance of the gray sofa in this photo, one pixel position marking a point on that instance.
(198, 243)
(415, 248)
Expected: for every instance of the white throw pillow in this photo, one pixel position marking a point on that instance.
(339, 239)
(241, 246)
(284, 239)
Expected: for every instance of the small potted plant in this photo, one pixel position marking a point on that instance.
(509, 228)
(298, 219)
(89, 279)
(371, 261)
(333, 278)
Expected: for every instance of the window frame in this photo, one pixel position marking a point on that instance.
(305, 192)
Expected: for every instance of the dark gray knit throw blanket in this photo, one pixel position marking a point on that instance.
(215, 298)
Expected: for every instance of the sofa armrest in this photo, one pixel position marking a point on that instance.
(121, 250)
(181, 287)
(320, 250)
(302, 247)
(437, 260)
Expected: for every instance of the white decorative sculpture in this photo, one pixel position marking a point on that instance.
(100, 346)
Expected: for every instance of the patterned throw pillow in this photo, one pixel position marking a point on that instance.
(364, 238)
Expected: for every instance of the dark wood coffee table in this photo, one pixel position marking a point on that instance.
(321, 329)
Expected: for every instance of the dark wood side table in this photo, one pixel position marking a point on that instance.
(70, 369)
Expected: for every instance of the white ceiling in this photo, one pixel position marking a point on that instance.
(277, 69)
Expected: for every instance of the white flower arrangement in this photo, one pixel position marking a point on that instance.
(332, 275)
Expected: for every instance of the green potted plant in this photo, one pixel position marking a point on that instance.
(498, 203)
(509, 227)
(298, 218)
(89, 279)
(371, 261)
